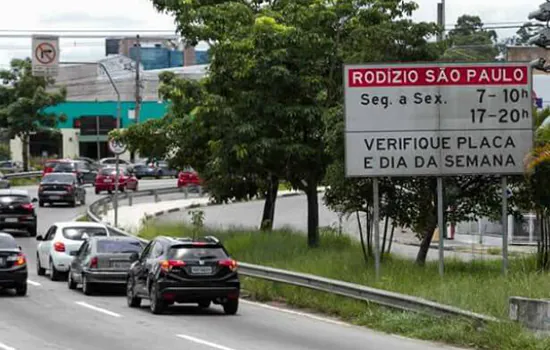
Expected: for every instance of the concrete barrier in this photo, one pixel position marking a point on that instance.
(531, 313)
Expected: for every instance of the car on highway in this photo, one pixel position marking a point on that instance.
(111, 162)
(102, 261)
(106, 179)
(183, 270)
(162, 168)
(55, 246)
(13, 265)
(142, 170)
(17, 211)
(61, 188)
(50, 164)
(189, 176)
(84, 172)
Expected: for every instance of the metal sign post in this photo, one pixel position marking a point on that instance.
(117, 148)
(438, 119)
(505, 195)
(45, 55)
(376, 220)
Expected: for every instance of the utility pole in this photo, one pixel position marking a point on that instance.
(137, 107)
(441, 19)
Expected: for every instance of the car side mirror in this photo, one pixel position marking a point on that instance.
(34, 200)
(39, 238)
(134, 257)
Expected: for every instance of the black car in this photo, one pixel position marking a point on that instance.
(102, 260)
(17, 211)
(84, 171)
(61, 188)
(13, 265)
(171, 270)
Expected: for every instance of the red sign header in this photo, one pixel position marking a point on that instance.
(438, 75)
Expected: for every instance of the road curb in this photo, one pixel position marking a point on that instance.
(192, 206)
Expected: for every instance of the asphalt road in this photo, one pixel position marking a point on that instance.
(53, 317)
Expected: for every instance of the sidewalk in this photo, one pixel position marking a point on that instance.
(131, 218)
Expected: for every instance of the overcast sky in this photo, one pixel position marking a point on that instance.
(140, 14)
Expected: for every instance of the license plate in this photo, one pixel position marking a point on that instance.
(107, 181)
(12, 220)
(120, 265)
(201, 270)
(55, 197)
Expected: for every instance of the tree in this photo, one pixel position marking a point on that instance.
(23, 99)
(282, 61)
(469, 41)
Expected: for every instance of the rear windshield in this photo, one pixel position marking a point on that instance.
(196, 253)
(50, 164)
(64, 167)
(115, 246)
(14, 199)
(107, 171)
(64, 178)
(76, 233)
(7, 242)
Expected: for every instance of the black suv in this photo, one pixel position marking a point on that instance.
(17, 211)
(182, 270)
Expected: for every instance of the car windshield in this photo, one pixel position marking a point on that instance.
(196, 253)
(118, 246)
(14, 199)
(77, 233)
(7, 242)
(64, 167)
(59, 178)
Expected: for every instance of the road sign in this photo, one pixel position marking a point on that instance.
(437, 119)
(117, 147)
(45, 55)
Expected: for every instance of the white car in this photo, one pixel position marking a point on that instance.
(56, 245)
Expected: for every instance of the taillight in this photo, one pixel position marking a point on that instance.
(167, 265)
(27, 206)
(199, 244)
(59, 246)
(19, 259)
(93, 262)
(232, 264)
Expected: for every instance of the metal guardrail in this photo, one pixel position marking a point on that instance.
(22, 175)
(346, 289)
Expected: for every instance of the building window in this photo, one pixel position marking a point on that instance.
(95, 125)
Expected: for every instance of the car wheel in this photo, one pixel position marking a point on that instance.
(231, 306)
(72, 203)
(40, 271)
(204, 304)
(83, 200)
(32, 231)
(87, 287)
(70, 282)
(41, 204)
(132, 300)
(21, 290)
(54, 274)
(96, 191)
(156, 303)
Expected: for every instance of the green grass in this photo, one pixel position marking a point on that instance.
(83, 218)
(24, 181)
(477, 286)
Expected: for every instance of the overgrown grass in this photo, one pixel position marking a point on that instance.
(24, 181)
(477, 286)
(83, 218)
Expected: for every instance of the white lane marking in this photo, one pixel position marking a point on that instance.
(5, 347)
(33, 283)
(203, 342)
(98, 309)
(297, 313)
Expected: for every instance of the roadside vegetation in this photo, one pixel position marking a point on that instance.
(477, 286)
(29, 181)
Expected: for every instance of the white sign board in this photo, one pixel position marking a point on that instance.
(117, 147)
(45, 55)
(437, 119)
